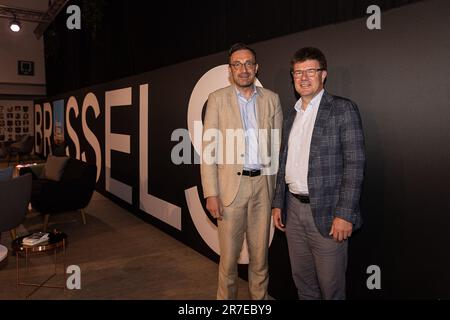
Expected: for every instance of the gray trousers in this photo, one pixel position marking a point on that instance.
(318, 263)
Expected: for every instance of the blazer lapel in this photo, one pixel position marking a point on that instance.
(235, 112)
(287, 126)
(322, 116)
(261, 107)
(289, 122)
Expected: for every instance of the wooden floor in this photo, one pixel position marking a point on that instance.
(120, 257)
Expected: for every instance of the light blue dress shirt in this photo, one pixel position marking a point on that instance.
(250, 123)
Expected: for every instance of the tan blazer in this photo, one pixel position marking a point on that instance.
(221, 177)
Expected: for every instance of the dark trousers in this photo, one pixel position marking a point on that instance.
(318, 263)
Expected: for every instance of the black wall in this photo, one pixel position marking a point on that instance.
(398, 76)
(124, 38)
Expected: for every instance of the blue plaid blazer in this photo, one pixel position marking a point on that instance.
(336, 163)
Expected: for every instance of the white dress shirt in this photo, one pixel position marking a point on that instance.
(299, 145)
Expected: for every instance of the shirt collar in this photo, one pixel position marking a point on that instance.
(314, 102)
(239, 94)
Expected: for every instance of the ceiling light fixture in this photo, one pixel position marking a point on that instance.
(15, 25)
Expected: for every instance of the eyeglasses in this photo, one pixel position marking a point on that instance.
(247, 64)
(297, 74)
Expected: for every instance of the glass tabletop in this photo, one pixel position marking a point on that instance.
(56, 240)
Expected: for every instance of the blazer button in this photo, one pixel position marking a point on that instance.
(238, 173)
(242, 155)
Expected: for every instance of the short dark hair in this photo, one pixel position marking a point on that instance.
(240, 46)
(309, 53)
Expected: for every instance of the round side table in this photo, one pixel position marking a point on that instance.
(57, 240)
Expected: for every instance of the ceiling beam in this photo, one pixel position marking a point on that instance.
(21, 14)
(53, 10)
(43, 18)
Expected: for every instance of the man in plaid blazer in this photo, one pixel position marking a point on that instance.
(319, 181)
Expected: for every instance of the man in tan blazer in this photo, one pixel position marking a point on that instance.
(241, 141)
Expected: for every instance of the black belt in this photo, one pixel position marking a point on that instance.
(251, 173)
(301, 198)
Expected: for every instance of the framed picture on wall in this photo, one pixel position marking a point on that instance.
(16, 119)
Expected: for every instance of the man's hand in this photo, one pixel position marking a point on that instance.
(214, 206)
(276, 216)
(341, 229)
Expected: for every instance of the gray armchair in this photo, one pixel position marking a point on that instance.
(15, 196)
(21, 148)
(4, 149)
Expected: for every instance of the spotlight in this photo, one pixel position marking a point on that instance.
(15, 26)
